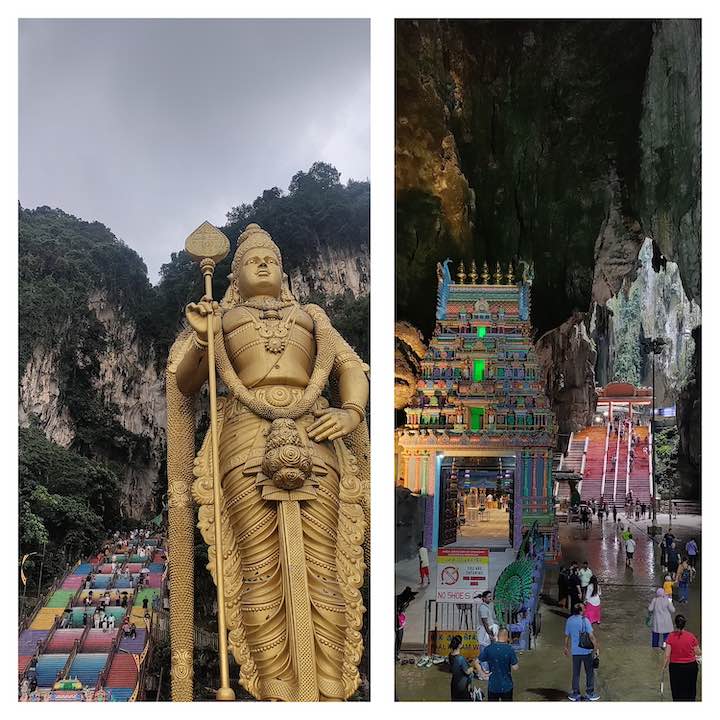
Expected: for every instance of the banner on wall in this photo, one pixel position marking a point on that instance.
(462, 573)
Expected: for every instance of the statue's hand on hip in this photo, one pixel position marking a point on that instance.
(333, 423)
(197, 316)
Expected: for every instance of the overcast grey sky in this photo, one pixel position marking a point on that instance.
(152, 126)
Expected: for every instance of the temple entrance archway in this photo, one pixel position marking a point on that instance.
(476, 500)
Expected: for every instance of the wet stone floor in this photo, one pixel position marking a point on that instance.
(629, 666)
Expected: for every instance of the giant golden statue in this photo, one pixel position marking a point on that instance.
(294, 484)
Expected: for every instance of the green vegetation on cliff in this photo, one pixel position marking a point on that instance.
(317, 211)
(66, 501)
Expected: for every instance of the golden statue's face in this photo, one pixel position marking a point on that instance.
(260, 273)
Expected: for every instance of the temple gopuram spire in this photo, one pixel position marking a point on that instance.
(482, 392)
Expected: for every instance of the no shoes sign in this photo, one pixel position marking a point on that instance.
(462, 573)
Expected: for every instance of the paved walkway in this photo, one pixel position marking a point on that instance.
(630, 668)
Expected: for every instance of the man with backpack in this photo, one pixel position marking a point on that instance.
(582, 646)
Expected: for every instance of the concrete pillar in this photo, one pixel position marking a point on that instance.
(411, 462)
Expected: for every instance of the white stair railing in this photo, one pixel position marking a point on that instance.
(584, 456)
(569, 449)
(607, 443)
(651, 440)
(617, 455)
(627, 461)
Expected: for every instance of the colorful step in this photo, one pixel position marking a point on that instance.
(134, 645)
(45, 618)
(63, 640)
(83, 569)
(29, 640)
(98, 641)
(123, 672)
(60, 599)
(73, 582)
(87, 667)
(49, 665)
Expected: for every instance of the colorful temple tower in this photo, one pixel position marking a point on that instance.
(481, 394)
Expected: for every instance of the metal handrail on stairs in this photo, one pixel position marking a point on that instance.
(147, 656)
(68, 663)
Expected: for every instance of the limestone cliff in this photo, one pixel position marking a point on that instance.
(410, 349)
(95, 334)
(567, 356)
(330, 271)
(128, 381)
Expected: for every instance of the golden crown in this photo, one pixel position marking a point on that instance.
(254, 237)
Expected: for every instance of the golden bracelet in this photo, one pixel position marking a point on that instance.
(198, 343)
(354, 406)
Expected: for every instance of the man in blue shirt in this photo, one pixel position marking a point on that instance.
(501, 658)
(575, 625)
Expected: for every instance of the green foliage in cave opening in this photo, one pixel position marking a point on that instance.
(628, 331)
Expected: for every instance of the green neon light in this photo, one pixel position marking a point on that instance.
(481, 331)
(478, 370)
(476, 415)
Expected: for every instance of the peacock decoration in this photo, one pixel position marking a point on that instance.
(514, 586)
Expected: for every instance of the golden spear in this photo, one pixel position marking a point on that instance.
(208, 246)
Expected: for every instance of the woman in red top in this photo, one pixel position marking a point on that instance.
(681, 655)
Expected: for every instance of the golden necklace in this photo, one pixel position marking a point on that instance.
(270, 326)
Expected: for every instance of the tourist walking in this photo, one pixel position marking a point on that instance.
(581, 645)
(668, 586)
(563, 588)
(592, 601)
(461, 670)
(682, 652)
(667, 541)
(584, 573)
(614, 513)
(661, 623)
(401, 604)
(629, 550)
(502, 662)
(488, 627)
(683, 578)
(574, 587)
(424, 564)
(584, 516)
(691, 549)
(672, 559)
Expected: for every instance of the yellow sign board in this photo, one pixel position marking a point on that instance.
(440, 642)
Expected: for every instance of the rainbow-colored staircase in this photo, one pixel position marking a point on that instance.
(78, 661)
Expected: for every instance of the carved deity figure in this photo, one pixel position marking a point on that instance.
(294, 467)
